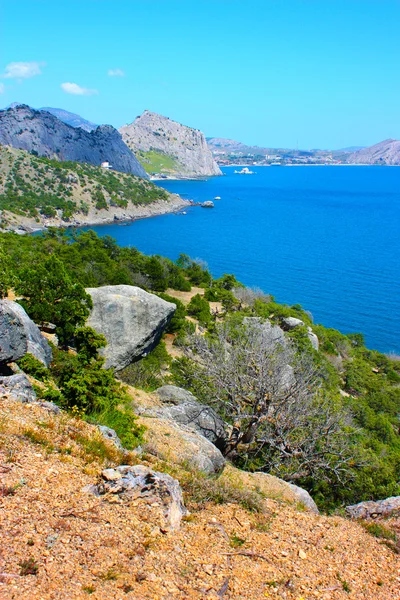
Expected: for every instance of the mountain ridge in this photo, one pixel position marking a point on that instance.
(43, 134)
(70, 118)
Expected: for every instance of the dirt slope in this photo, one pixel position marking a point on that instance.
(103, 548)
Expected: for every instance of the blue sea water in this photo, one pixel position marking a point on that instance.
(324, 237)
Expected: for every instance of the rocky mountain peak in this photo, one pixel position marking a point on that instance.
(43, 134)
(151, 132)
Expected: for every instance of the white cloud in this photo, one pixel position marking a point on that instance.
(2, 88)
(77, 90)
(115, 73)
(23, 70)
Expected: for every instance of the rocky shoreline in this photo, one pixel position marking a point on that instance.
(23, 224)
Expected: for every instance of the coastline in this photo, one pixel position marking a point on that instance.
(23, 224)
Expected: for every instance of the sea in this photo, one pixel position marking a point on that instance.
(325, 237)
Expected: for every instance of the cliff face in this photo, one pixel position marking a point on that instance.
(186, 146)
(384, 153)
(42, 133)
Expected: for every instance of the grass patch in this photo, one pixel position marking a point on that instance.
(28, 567)
(379, 531)
(157, 162)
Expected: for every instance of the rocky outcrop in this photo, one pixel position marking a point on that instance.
(184, 409)
(140, 482)
(372, 510)
(43, 134)
(272, 333)
(384, 153)
(19, 335)
(17, 387)
(180, 445)
(187, 146)
(290, 323)
(131, 320)
(269, 486)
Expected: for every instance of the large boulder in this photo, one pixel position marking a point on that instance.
(183, 408)
(269, 486)
(19, 335)
(17, 387)
(273, 334)
(131, 320)
(291, 323)
(372, 510)
(180, 445)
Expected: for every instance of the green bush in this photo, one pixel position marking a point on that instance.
(199, 308)
(32, 366)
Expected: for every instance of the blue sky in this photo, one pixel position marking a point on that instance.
(280, 73)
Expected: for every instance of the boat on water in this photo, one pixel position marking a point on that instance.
(245, 171)
(217, 198)
(208, 204)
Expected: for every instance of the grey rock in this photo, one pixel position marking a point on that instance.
(186, 410)
(19, 335)
(183, 445)
(187, 146)
(313, 338)
(131, 320)
(304, 498)
(44, 134)
(110, 435)
(273, 333)
(371, 510)
(17, 387)
(132, 482)
(172, 394)
(292, 322)
(50, 406)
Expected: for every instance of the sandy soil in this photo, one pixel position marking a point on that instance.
(81, 546)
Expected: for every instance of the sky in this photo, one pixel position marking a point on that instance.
(276, 73)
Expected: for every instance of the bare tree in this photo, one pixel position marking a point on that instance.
(281, 420)
(247, 295)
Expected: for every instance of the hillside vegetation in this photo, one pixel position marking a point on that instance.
(41, 188)
(157, 162)
(330, 425)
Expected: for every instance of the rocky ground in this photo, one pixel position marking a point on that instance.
(60, 542)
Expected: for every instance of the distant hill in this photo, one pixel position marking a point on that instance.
(351, 149)
(44, 134)
(37, 192)
(227, 146)
(165, 146)
(70, 118)
(384, 153)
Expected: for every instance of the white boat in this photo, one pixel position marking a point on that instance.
(245, 171)
(217, 198)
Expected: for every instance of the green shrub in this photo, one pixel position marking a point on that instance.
(199, 308)
(32, 366)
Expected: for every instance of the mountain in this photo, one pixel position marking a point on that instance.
(70, 118)
(227, 146)
(43, 134)
(351, 149)
(168, 147)
(384, 153)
